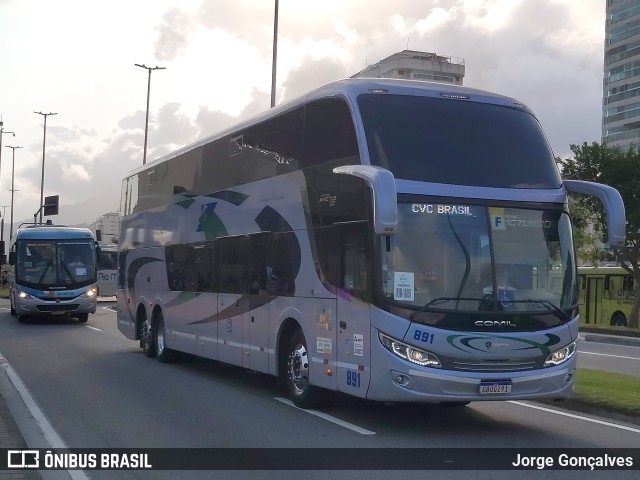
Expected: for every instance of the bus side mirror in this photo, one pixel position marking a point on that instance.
(98, 252)
(383, 194)
(12, 258)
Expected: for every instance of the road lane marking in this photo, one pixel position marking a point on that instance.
(93, 328)
(329, 418)
(609, 355)
(50, 434)
(579, 417)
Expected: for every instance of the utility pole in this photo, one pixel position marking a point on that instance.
(4, 214)
(13, 169)
(275, 56)
(146, 121)
(44, 139)
(2, 132)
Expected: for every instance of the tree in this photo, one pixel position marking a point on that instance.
(619, 169)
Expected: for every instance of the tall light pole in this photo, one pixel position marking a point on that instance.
(146, 121)
(275, 56)
(2, 132)
(44, 140)
(4, 207)
(13, 168)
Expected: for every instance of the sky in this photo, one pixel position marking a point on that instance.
(77, 58)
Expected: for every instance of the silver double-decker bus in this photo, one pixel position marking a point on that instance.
(392, 240)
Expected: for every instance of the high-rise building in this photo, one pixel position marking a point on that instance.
(109, 227)
(412, 65)
(621, 86)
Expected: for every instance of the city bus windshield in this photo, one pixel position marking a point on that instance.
(55, 263)
(455, 258)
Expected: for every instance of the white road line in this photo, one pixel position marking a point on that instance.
(93, 328)
(329, 418)
(38, 415)
(579, 417)
(608, 355)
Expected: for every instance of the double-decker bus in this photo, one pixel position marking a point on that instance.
(53, 272)
(392, 240)
(606, 296)
(107, 270)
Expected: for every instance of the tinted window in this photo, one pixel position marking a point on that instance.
(457, 142)
(329, 133)
(233, 264)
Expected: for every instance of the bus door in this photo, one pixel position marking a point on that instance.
(354, 311)
(255, 319)
(233, 273)
(593, 301)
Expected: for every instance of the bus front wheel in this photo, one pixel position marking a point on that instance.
(83, 317)
(301, 392)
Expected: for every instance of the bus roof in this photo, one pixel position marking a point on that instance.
(351, 88)
(52, 232)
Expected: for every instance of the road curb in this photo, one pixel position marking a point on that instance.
(614, 339)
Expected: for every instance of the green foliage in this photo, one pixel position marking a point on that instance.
(621, 170)
(613, 391)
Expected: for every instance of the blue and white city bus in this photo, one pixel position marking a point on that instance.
(393, 240)
(53, 272)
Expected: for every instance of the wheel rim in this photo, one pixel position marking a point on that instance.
(146, 333)
(298, 369)
(160, 335)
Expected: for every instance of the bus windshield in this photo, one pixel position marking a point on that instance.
(471, 258)
(55, 263)
(459, 142)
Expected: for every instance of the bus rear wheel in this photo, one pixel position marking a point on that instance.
(301, 392)
(146, 338)
(164, 354)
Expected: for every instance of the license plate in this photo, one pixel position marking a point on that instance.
(495, 388)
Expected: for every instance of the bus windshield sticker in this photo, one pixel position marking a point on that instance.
(403, 286)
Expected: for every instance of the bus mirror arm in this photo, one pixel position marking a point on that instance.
(613, 207)
(383, 194)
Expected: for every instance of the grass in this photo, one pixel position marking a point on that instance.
(614, 391)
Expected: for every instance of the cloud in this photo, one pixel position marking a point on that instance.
(174, 33)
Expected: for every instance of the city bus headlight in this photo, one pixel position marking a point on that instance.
(91, 292)
(24, 295)
(562, 355)
(407, 352)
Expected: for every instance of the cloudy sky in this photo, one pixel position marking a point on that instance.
(76, 58)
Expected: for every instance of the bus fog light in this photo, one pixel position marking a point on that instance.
(561, 356)
(402, 379)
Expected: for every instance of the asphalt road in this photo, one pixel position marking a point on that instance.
(97, 389)
(609, 357)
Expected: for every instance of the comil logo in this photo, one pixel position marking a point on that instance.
(23, 459)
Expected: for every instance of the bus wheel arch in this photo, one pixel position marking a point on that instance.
(618, 319)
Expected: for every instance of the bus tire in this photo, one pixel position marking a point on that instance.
(618, 320)
(146, 338)
(300, 391)
(83, 317)
(164, 354)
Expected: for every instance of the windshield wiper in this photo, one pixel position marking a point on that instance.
(440, 301)
(549, 305)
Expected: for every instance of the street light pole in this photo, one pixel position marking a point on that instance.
(146, 121)
(44, 139)
(4, 207)
(275, 56)
(2, 132)
(13, 168)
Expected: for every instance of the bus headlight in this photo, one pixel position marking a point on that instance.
(24, 295)
(408, 352)
(91, 292)
(562, 355)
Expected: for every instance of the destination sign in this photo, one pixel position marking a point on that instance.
(437, 209)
